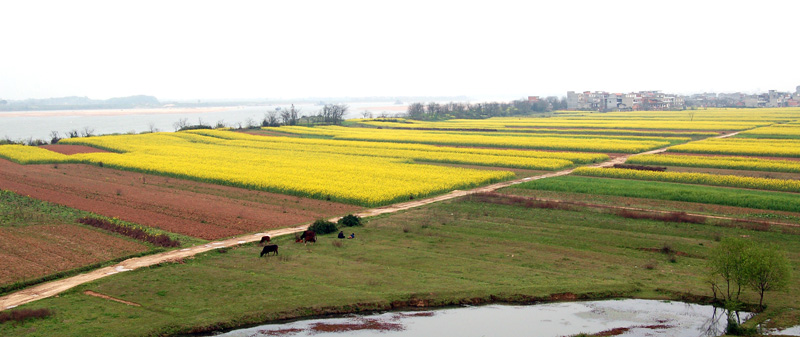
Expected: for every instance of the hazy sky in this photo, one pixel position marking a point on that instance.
(286, 49)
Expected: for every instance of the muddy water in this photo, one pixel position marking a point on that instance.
(629, 317)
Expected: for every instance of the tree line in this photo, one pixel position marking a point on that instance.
(440, 111)
(329, 114)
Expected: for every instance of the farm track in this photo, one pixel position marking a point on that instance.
(53, 288)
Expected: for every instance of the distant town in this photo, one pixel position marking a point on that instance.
(657, 100)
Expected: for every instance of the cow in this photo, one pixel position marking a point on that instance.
(307, 236)
(269, 249)
(264, 240)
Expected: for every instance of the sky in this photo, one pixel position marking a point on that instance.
(292, 49)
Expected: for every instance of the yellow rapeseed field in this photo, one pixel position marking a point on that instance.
(743, 146)
(358, 179)
(601, 143)
(32, 155)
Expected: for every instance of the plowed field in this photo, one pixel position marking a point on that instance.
(195, 209)
(32, 251)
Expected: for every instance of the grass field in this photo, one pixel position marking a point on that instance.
(464, 251)
(670, 191)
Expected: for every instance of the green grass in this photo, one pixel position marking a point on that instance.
(454, 252)
(778, 201)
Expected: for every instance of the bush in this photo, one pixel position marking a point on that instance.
(350, 221)
(23, 314)
(161, 240)
(323, 227)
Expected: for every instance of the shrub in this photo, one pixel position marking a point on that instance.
(161, 240)
(350, 221)
(322, 226)
(23, 314)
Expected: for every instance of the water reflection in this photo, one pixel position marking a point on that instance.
(617, 317)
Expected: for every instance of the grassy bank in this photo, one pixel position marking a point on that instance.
(464, 251)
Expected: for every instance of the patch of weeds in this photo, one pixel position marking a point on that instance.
(21, 315)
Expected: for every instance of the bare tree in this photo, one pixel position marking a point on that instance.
(333, 113)
(72, 133)
(250, 123)
(181, 123)
(271, 118)
(290, 116)
(87, 132)
(366, 114)
(220, 124)
(54, 137)
(152, 127)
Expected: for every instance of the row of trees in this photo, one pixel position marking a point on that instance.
(439, 111)
(329, 114)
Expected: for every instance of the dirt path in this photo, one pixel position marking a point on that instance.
(52, 288)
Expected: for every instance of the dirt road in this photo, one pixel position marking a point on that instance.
(52, 288)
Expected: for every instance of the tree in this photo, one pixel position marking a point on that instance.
(87, 132)
(180, 124)
(54, 137)
(737, 263)
(271, 119)
(728, 261)
(769, 270)
(290, 116)
(333, 113)
(416, 111)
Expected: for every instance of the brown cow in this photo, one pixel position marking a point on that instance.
(264, 240)
(307, 236)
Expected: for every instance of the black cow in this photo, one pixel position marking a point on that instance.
(269, 249)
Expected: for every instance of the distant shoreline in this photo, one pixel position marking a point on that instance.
(111, 112)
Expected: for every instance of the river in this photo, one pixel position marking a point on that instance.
(25, 125)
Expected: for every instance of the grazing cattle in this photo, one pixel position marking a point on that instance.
(307, 236)
(264, 240)
(269, 249)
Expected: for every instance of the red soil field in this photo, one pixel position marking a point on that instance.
(28, 252)
(191, 208)
(71, 149)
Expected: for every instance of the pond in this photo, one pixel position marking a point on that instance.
(630, 317)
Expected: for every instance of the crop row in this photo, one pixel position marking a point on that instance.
(503, 127)
(768, 200)
(357, 179)
(694, 178)
(790, 131)
(725, 162)
(743, 146)
(489, 157)
(590, 144)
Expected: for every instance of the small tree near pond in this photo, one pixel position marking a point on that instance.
(736, 264)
